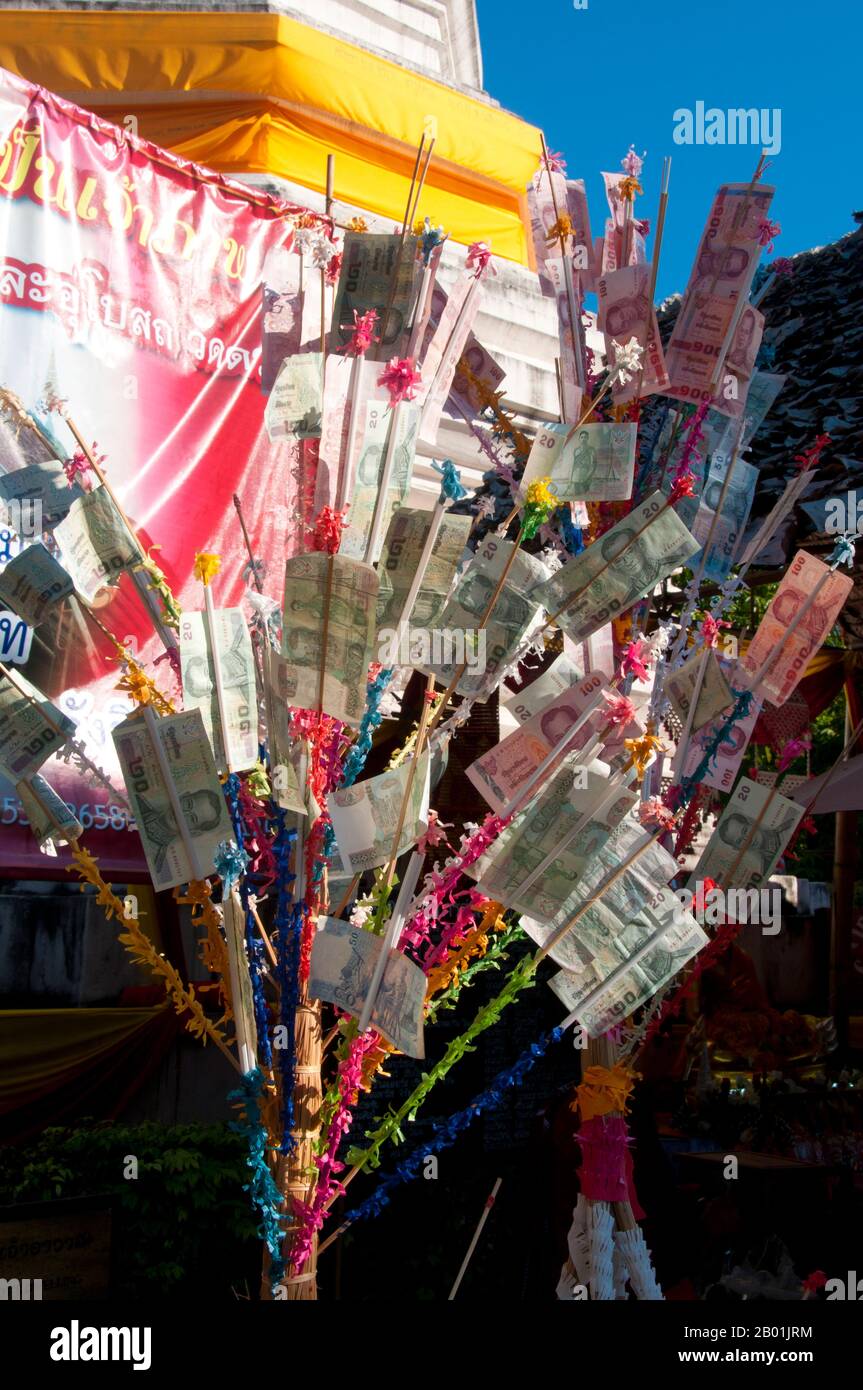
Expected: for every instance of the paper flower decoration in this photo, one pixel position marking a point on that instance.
(334, 268)
(540, 503)
(843, 552)
(485, 507)
(767, 230)
(814, 1281)
(783, 265)
(478, 257)
(311, 242)
(556, 162)
(430, 238)
(682, 486)
(358, 224)
(635, 658)
(207, 566)
(711, 629)
(451, 489)
(642, 751)
(794, 749)
(401, 379)
(655, 812)
(327, 530)
(435, 835)
(231, 862)
(628, 188)
(561, 228)
(811, 456)
(137, 685)
(632, 164)
(77, 467)
(621, 710)
(627, 359)
(363, 333)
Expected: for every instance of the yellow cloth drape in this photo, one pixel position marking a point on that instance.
(42, 1049)
(260, 93)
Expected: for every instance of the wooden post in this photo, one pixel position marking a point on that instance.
(292, 1175)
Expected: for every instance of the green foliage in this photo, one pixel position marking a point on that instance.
(184, 1226)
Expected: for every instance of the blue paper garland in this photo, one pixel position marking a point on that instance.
(254, 944)
(371, 720)
(266, 1197)
(290, 916)
(446, 1132)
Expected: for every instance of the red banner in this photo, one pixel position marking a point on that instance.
(131, 288)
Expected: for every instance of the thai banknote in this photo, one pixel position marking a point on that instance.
(625, 312)
(561, 674)
(763, 390)
(29, 732)
(705, 324)
(444, 351)
(242, 998)
(750, 836)
(626, 870)
(593, 463)
(295, 404)
(349, 384)
(288, 754)
(196, 782)
(350, 634)
(95, 545)
(384, 430)
(343, 966)
(624, 565)
(731, 241)
(725, 763)
(718, 519)
(515, 611)
(39, 494)
(601, 1011)
(378, 272)
(602, 937)
(550, 195)
(32, 583)
(536, 863)
(365, 816)
(403, 547)
(504, 770)
(282, 321)
(475, 367)
(774, 660)
(51, 821)
(714, 692)
(570, 336)
(237, 665)
(719, 282)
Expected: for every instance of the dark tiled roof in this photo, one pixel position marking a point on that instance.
(814, 335)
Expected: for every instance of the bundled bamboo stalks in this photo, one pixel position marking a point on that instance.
(295, 1174)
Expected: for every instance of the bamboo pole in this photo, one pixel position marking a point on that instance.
(294, 1171)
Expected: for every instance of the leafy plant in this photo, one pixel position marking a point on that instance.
(182, 1226)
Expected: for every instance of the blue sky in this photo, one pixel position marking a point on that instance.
(599, 79)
